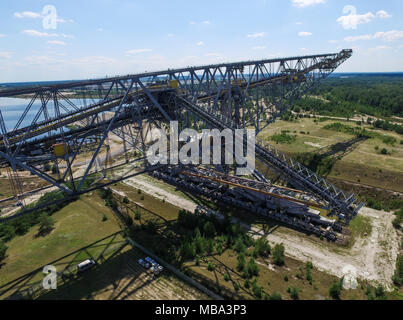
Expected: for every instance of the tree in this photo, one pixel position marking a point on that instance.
(262, 248)
(241, 262)
(278, 254)
(7, 232)
(380, 293)
(398, 276)
(209, 229)
(3, 250)
(335, 289)
(252, 268)
(257, 291)
(294, 293)
(46, 224)
(126, 200)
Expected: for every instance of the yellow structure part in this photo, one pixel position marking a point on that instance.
(174, 84)
(60, 149)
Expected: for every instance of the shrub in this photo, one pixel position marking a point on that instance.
(257, 291)
(278, 254)
(294, 293)
(241, 262)
(210, 267)
(104, 217)
(286, 278)
(226, 277)
(137, 215)
(380, 293)
(398, 276)
(126, 200)
(253, 269)
(335, 290)
(275, 296)
(46, 224)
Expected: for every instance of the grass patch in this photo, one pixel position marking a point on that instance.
(283, 138)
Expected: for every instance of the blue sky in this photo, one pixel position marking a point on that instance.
(95, 38)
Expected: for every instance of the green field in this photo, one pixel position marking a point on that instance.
(363, 164)
(78, 225)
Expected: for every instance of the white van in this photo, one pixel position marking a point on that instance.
(85, 265)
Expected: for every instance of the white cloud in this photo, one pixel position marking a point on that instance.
(355, 38)
(171, 35)
(306, 3)
(36, 15)
(299, 23)
(5, 55)
(381, 48)
(27, 14)
(333, 41)
(2, 35)
(100, 29)
(136, 51)
(256, 35)
(206, 22)
(259, 48)
(35, 33)
(389, 36)
(57, 42)
(383, 14)
(192, 22)
(304, 34)
(200, 43)
(353, 20)
(213, 54)
(392, 35)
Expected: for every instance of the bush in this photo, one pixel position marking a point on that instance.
(246, 284)
(104, 217)
(262, 248)
(126, 200)
(283, 138)
(210, 267)
(257, 291)
(275, 296)
(398, 276)
(227, 277)
(241, 262)
(278, 254)
(46, 225)
(380, 293)
(335, 289)
(286, 278)
(294, 293)
(137, 215)
(252, 268)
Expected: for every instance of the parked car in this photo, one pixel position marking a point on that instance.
(144, 264)
(85, 265)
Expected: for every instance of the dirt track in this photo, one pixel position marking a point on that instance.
(373, 257)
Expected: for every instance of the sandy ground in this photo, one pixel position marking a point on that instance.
(372, 258)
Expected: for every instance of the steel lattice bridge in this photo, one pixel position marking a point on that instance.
(73, 123)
